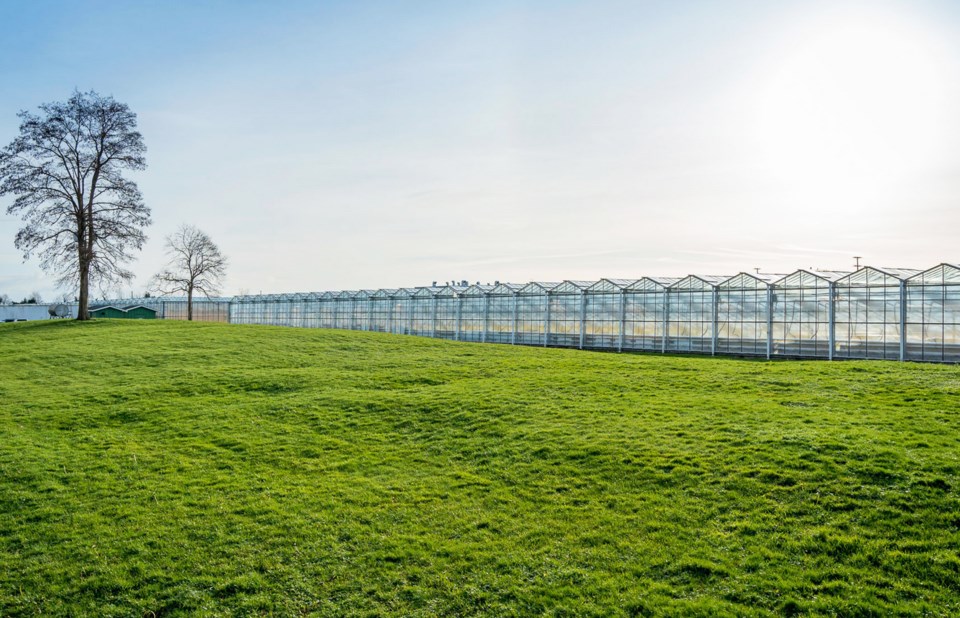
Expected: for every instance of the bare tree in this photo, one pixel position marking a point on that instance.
(196, 265)
(83, 218)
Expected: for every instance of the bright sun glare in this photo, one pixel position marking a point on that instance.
(856, 107)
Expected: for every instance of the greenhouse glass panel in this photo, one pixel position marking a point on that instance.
(381, 310)
(294, 309)
(327, 310)
(281, 309)
(603, 320)
(690, 314)
(645, 314)
(933, 315)
(742, 314)
(501, 311)
(169, 309)
(260, 309)
(175, 308)
(868, 314)
(801, 314)
(251, 311)
(447, 313)
(473, 312)
(311, 310)
(565, 313)
(423, 309)
(403, 311)
(532, 313)
(267, 310)
(238, 310)
(343, 314)
(361, 310)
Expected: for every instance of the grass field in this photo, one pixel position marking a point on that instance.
(163, 468)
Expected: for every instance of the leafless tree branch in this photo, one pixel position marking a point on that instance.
(196, 265)
(83, 219)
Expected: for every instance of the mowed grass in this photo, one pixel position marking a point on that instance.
(164, 468)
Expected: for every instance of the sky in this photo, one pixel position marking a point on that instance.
(349, 145)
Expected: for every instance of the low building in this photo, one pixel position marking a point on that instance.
(29, 311)
(133, 312)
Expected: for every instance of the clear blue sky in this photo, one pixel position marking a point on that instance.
(365, 144)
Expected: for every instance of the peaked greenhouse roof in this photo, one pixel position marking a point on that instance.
(749, 281)
(869, 276)
(446, 292)
(810, 278)
(505, 289)
(537, 287)
(611, 285)
(698, 282)
(571, 287)
(942, 274)
(652, 284)
(477, 290)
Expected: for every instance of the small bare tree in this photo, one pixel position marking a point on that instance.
(196, 265)
(65, 169)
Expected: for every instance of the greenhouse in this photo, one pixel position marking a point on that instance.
(743, 314)
(870, 313)
(691, 314)
(474, 308)
(565, 314)
(645, 314)
(501, 323)
(932, 309)
(603, 314)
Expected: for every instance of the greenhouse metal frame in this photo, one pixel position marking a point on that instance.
(870, 313)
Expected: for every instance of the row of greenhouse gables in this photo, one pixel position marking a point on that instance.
(868, 314)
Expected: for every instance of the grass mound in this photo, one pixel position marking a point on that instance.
(163, 468)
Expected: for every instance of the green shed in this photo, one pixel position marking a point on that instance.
(133, 312)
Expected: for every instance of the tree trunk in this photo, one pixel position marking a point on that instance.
(83, 311)
(190, 304)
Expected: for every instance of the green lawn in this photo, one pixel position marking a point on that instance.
(164, 468)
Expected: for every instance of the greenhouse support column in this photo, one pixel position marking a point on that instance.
(456, 336)
(388, 327)
(516, 307)
(336, 313)
(583, 316)
(769, 321)
(832, 318)
(666, 321)
(433, 319)
(903, 321)
(486, 318)
(546, 321)
(370, 310)
(412, 308)
(714, 296)
(623, 319)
